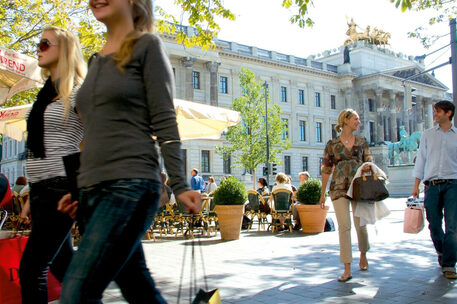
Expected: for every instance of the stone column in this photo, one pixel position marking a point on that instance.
(347, 93)
(429, 113)
(393, 117)
(379, 126)
(419, 114)
(188, 63)
(212, 68)
(363, 112)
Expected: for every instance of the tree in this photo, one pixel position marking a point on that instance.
(247, 140)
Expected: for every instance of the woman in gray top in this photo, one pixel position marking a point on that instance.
(127, 99)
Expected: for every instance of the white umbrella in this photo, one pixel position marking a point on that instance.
(18, 72)
(195, 120)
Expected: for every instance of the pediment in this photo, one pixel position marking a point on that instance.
(407, 72)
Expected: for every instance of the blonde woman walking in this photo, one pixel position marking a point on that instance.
(342, 157)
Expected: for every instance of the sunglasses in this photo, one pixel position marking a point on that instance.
(44, 45)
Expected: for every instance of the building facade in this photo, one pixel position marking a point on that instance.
(311, 92)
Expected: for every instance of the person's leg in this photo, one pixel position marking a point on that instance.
(115, 217)
(296, 215)
(143, 287)
(362, 237)
(434, 212)
(50, 229)
(343, 219)
(450, 219)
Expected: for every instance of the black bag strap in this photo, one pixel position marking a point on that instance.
(193, 266)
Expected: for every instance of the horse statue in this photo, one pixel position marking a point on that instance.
(407, 144)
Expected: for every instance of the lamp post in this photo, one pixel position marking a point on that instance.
(454, 62)
(267, 159)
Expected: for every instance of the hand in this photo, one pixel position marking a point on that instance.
(67, 206)
(322, 201)
(25, 213)
(366, 167)
(192, 200)
(415, 192)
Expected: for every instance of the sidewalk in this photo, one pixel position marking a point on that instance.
(262, 267)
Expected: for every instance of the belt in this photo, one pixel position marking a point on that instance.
(438, 181)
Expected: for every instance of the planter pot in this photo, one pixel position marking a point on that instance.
(229, 219)
(312, 218)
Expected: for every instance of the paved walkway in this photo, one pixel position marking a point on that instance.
(262, 267)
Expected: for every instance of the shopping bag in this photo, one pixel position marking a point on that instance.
(11, 250)
(414, 220)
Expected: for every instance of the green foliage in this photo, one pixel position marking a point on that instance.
(247, 140)
(230, 192)
(309, 193)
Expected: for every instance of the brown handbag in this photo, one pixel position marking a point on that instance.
(369, 188)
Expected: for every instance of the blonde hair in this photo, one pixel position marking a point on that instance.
(143, 23)
(346, 113)
(281, 178)
(72, 66)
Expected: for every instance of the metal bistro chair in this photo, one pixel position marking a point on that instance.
(282, 201)
(208, 215)
(255, 201)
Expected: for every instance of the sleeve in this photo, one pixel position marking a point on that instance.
(328, 161)
(419, 166)
(159, 84)
(367, 157)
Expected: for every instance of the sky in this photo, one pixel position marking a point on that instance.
(265, 24)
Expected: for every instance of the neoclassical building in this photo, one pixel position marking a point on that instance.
(311, 92)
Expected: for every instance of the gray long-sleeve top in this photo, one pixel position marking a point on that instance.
(121, 110)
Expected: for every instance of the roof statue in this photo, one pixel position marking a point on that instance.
(375, 36)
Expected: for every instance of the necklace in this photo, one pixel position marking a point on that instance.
(346, 141)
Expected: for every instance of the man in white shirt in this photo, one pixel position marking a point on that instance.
(436, 165)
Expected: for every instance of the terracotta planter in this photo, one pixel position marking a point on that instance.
(230, 218)
(312, 218)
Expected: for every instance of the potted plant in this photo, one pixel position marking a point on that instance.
(229, 199)
(312, 216)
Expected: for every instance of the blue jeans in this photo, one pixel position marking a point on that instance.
(49, 244)
(113, 217)
(442, 199)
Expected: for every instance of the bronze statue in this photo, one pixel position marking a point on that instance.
(376, 37)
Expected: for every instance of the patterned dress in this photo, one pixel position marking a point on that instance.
(343, 163)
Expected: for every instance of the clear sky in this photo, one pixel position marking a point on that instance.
(265, 24)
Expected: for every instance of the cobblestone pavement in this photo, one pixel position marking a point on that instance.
(284, 267)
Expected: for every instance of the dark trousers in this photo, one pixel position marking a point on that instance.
(49, 243)
(113, 217)
(441, 200)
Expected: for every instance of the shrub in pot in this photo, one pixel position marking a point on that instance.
(312, 216)
(229, 198)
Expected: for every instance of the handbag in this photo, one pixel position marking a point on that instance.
(11, 250)
(202, 296)
(369, 188)
(414, 220)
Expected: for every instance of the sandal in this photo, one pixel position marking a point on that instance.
(344, 278)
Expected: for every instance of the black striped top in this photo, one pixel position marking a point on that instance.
(61, 137)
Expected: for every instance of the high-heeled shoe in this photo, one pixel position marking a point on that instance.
(344, 278)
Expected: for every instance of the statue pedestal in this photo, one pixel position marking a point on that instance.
(345, 68)
(401, 180)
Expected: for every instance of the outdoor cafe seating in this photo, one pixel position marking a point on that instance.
(281, 213)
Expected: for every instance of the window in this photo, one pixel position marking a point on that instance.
(304, 161)
(285, 133)
(372, 132)
(332, 102)
(283, 94)
(302, 127)
(205, 161)
(227, 164)
(334, 134)
(196, 80)
(317, 99)
(318, 132)
(301, 97)
(223, 85)
(320, 165)
(370, 105)
(287, 164)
